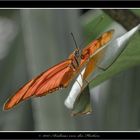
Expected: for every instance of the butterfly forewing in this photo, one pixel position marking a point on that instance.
(101, 41)
(42, 84)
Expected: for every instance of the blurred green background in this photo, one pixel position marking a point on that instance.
(32, 40)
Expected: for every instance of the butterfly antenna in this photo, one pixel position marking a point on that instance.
(74, 41)
(90, 33)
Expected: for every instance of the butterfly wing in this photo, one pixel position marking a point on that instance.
(51, 80)
(93, 47)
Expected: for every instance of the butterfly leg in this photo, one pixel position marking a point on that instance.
(79, 83)
(86, 81)
(83, 80)
(101, 68)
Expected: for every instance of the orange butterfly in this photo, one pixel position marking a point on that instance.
(60, 75)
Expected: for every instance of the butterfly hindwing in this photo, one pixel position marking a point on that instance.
(100, 42)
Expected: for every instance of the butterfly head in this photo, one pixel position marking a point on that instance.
(77, 53)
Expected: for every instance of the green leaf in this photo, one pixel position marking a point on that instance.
(81, 105)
